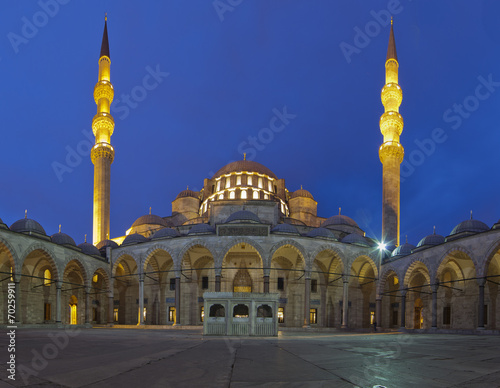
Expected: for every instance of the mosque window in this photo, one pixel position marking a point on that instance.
(172, 284)
(217, 310)
(314, 285)
(255, 194)
(249, 180)
(270, 185)
(446, 315)
(264, 311)
(228, 182)
(281, 315)
(240, 311)
(238, 180)
(275, 189)
(95, 278)
(281, 284)
(221, 196)
(202, 313)
(204, 282)
(313, 316)
(47, 278)
(115, 314)
(232, 195)
(266, 196)
(218, 186)
(213, 189)
(171, 314)
(243, 194)
(260, 184)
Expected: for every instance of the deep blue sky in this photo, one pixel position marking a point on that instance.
(225, 78)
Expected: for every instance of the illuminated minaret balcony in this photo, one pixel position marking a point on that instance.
(391, 152)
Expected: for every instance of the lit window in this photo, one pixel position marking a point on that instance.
(228, 182)
(171, 314)
(270, 185)
(11, 273)
(46, 311)
(221, 196)
(255, 194)
(244, 194)
(372, 317)
(202, 313)
(313, 316)
(238, 180)
(261, 185)
(115, 314)
(281, 315)
(266, 196)
(218, 186)
(249, 180)
(47, 277)
(95, 278)
(232, 195)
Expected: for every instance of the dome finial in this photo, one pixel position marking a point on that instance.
(301, 187)
(187, 187)
(26, 214)
(107, 236)
(244, 156)
(434, 232)
(391, 21)
(471, 214)
(59, 228)
(150, 210)
(406, 239)
(85, 240)
(340, 210)
(106, 17)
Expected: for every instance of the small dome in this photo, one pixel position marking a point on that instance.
(339, 220)
(201, 229)
(243, 216)
(321, 233)
(27, 225)
(150, 219)
(89, 249)
(301, 193)
(471, 226)
(106, 243)
(403, 250)
(134, 238)
(355, 239)
(165, 233)
(2, 225)
(62, 239)
(285, 229)
(431, 239)
(244, 165)
(187, 193)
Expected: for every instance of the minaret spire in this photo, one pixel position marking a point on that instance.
(102, 154)
(391, 151)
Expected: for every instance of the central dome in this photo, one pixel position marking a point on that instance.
(244, 165)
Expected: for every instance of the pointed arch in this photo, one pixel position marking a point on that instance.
(492, 250)
(48, 255)
(254, 244)
(192, 244)
(463, 253)
(289, 243)
(157, 248)
(416, 265)
(84, 272)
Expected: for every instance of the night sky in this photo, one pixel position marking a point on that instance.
(222, 72)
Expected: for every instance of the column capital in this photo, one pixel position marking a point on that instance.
(434, 287)
(481, 282)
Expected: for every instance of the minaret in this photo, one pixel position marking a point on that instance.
(102, 153)
(391, 152)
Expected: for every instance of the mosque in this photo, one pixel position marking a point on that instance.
(245, 232)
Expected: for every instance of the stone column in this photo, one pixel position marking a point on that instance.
(307, 306)
(217, 283)
(87, 305)
(111, 307)
(266, 284)
(378, 311)
(58, 302)
(434, 289)
(345, 301)
(177, 301)
(480, 320)
(403, 308)
(141, 300)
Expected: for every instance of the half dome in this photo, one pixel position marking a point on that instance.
(243, 216)
(27, 225)
(244, 165)
(321, 233)
(201, 229)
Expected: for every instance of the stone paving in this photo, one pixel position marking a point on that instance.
(110, 357)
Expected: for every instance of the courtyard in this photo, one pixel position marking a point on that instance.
(112, 357)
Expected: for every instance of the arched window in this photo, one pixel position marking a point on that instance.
(270, 185)
(260, 184)
(264, 311)
(218, 186)
(217, 310)
(47, 278)
(266, 196)
(221, 196)
(228, 182)
(240, 311)
(232, 195)
(255, 194)
(243, 194)
(249, 180)
(238, 180)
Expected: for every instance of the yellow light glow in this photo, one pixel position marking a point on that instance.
(95, 278)
(47, 277)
